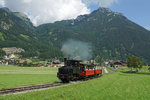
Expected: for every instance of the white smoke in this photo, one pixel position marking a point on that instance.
(77, 50)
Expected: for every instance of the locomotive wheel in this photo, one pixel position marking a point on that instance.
(65, 81)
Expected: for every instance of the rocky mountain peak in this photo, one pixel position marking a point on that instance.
(102, 9)
(22, 15)
(79, 19)
(6, 9)
(107, 11)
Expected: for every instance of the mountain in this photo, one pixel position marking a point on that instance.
(21, 18)
(16, 30)
(111, 34)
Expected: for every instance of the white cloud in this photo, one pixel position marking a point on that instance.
(2, 3)
(46, 11)
(27, 1)
(147, 27)
(102, 3)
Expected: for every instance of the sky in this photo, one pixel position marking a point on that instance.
(49, 11)
(137, 11)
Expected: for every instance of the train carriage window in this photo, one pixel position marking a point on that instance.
(82, 67)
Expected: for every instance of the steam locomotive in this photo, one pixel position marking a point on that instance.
(75, 70)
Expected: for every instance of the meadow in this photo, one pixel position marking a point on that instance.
(125, 68)
(15, 76)
(117, 86)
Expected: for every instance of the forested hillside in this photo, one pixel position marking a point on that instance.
(112, 35)
(14, 32)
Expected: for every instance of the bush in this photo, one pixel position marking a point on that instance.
(134, 62)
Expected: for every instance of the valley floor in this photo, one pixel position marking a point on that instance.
(14, 76)
(117, 86)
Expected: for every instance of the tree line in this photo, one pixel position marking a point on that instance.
(134, 62)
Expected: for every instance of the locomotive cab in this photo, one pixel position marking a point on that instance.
(70, 70)
(74, 70)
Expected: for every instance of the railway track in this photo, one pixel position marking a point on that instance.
(35, 87)
(28, 88)
(41, 86)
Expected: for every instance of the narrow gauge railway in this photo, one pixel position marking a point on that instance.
(75, 70)
(41, 86)
(28, 88)
(32, 87)
(71, 71)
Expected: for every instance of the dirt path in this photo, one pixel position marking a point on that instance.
(105, 70)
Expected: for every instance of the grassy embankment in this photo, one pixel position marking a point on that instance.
(14, 76)
(125, 68)
(117, 86)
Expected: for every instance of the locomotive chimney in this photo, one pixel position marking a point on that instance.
(65, 61)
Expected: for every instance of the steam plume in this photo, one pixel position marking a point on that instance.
(77, 50)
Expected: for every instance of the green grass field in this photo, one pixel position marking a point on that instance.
(14, 76)
(125, 68)
(117, 86)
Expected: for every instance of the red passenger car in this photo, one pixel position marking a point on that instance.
(75, 70)
(90, 70)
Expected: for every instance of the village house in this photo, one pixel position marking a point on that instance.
(119, 63)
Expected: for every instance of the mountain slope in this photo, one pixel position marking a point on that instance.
(22, 19)
(112, 35)
(14, 34)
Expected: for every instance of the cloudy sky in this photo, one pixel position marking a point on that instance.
(48, 11)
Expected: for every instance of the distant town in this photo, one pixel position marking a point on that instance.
(12, 58)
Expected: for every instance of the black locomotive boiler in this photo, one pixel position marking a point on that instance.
(75, 70)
